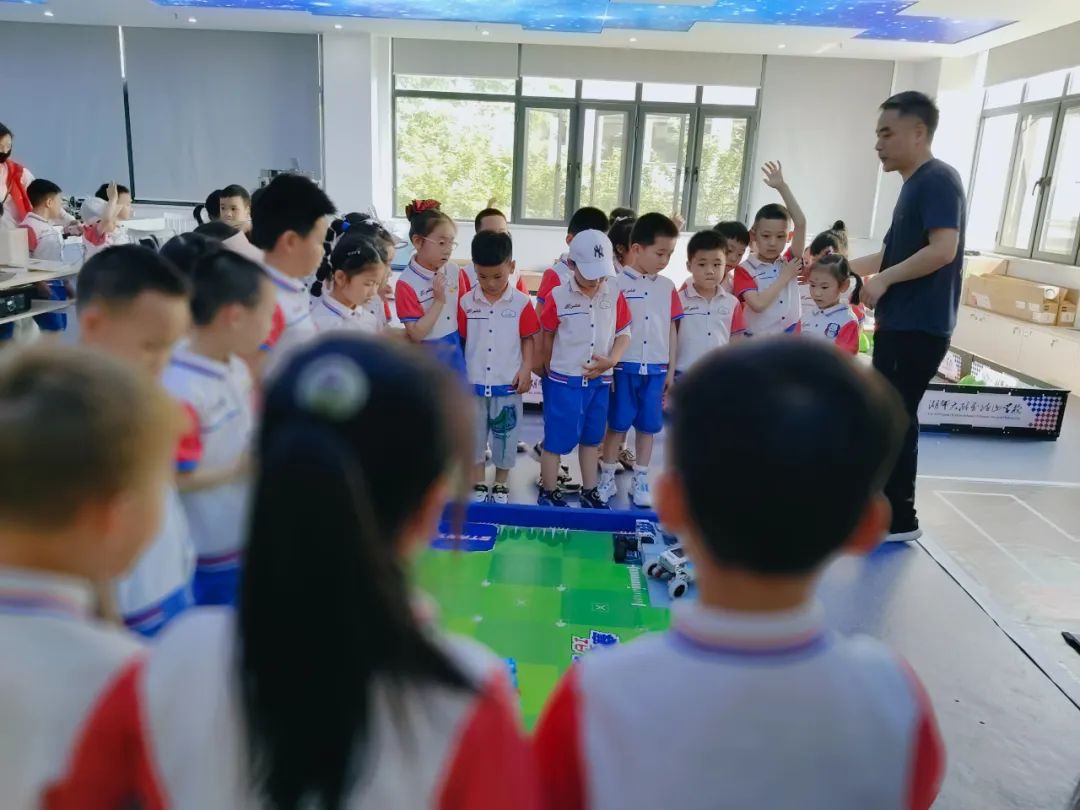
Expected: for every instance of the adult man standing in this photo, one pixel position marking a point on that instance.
(915, 279)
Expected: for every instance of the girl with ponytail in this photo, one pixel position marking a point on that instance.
(327, 689)
(832, 318)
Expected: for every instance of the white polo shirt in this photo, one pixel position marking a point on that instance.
(45, 241)
(583, 327)
(654, 305)
(838, 324)
(292, 325)
(780, 713)
(556, 275)
(784, 313)
(414, 296)
(492, 333)
(379, 308)
(57, 659)
(220, 401)
(707, 323)
(329, 315)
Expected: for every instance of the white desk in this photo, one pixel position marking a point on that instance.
(36, 272)
(38, 308)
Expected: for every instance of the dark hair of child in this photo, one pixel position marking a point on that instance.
(40, 190)
(835, 239)
(838, 267)
(771, 212)
(354, 224)
(325, 615)
(289, 203)
(212, 206)
(492, 249)
(705, 240)
(487, 212)
(424, 217)
(235, 190)
(354, 254)
(619, 234)
(218, 276)
(216, 230)
(622, 213)
(118, 275)
(733, 230)
(587, 219)
(650, 227)
(818, 413)
(103, 191)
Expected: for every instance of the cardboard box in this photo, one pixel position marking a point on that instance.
(986, 266)
(1016, 298)
(1067, 310)
(14, 247)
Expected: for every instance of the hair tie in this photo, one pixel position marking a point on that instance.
(333, 387)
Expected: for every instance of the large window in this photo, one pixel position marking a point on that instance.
(540, 147)
(1025, 195)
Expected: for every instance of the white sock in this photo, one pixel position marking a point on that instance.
(639, 470)
(608, 468)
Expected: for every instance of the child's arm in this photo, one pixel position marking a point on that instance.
(419, 327)
(549, 320)
(543, 356)
(528, 329)
(110, 216)
(673, 351)
(599, 363)
(774, 178)
(761, 300)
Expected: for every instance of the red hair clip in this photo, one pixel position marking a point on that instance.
(419, 206)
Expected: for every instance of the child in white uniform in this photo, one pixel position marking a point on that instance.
(103, 218)
(77, 504)
(712, 317)
(135, 305)
(47, 243)
(833, 318)
(367, 704)
(356, 271)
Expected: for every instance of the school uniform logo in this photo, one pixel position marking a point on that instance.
(832, 330)
(605, 305)
(509, 313)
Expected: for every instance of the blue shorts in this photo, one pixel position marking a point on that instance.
(637, 401)
(152, 620)
(216, 583)
(53, 321)
(574, 415)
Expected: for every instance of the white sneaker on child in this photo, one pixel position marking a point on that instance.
(500, 494)
(639, 492)
(605, 487)
(480, 493)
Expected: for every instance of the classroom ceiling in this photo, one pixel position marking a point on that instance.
(883, 29)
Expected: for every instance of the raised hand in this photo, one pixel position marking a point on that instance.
(774, 174)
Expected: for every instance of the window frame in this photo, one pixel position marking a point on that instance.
(1058, 108)
(577, 106)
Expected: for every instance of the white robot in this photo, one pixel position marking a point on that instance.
(673, 566)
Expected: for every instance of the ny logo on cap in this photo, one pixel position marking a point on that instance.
(598, 251)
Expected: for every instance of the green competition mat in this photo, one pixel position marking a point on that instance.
(540, 597)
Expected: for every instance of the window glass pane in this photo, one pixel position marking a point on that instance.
(1023, 198)
(1049, 85)
(1003, 95)
(734, 96)
(603, 160)
(682, 93)
(991, 179)
(1063, 204)
(557, 88)
(1074, 82)
(547, 150)
(456, 84)
(615, 91)
(723, 147)
(663, 162)
(458, 152)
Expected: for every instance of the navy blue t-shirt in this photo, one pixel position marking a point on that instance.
(931, 198)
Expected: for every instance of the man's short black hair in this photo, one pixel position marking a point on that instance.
(772, 211)
(289, 203)
(118, 275)
(588, 219)
(487, 212)
(649, 227)
(916, 104)
(490, 249)
(733, 230)
(103, 191)
(40, 190)
(816, 437)
(705, 240)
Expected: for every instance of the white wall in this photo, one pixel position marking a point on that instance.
(817, 118)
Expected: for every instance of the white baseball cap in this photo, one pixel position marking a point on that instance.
(591, 251)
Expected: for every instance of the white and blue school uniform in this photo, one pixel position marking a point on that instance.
(414, 295)
(707, 324)
(219, 399)
(47, 243)
(837, 324)
(575, 409)
(492, 333)
(292, 325)
(330, 315)
(56, 660)
(637, 400)
(785, 313)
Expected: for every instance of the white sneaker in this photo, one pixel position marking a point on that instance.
(903, 537)
(500, 494)
(639, 492)
(480, 493)
(605, 488)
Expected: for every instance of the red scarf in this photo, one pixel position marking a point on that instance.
(16, 191)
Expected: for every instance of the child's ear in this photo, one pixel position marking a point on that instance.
(513, 265)
(671, 502)
(569, 239)
(872, 526)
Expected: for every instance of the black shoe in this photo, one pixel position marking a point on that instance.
(551, 498)
(538, 450)
(590, 499)
(566, 484)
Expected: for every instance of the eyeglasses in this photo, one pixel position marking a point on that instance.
(442, 244)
